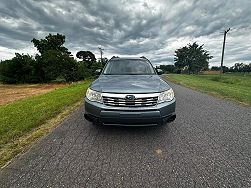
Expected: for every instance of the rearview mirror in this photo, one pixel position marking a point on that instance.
(98, 72)
(159, 71)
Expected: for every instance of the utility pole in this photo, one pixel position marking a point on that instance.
(223, 48)
(101, 53)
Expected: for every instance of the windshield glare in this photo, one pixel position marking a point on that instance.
(128, 67)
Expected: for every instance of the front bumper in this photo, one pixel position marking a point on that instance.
(128, 116)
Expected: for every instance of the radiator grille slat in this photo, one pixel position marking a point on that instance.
(137, 102)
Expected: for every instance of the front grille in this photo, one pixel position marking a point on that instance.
(137, 102)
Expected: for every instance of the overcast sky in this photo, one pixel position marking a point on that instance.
(130, 27)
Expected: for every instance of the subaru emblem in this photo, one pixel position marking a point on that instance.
(130, 97)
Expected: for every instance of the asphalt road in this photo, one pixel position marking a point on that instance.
(209, 145)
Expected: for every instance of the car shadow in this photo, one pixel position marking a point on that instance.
(141, 133)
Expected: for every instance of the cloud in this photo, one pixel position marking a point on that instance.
(154, 29)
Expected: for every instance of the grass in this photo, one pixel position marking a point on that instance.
(25, 120)
(236, 87)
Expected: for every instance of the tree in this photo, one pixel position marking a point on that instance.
(224, 68)
(247, 68)
(192, 56)
(215, 68)
(168, 68)
(87, 57)
(241, 67)
(55, 61)
(53, 65)
(51, 42)
(104, 61)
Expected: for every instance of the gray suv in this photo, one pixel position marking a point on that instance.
(129, 92)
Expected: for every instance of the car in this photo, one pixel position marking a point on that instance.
(129, 92)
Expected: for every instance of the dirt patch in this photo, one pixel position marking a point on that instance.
(11, 93)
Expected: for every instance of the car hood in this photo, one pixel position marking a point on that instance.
(129, 84)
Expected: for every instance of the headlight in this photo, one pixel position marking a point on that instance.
(166, 96)
(93, 95)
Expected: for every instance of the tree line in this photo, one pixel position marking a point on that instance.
(194, 59)
(238, 67)
(54, 63)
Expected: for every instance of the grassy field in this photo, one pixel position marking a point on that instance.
(236, 87)
(19, 119)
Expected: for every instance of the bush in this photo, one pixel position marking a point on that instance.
(19, 69)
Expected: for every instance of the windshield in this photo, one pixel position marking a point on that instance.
(128, 67)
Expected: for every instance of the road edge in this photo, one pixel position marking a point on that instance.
(13, 150)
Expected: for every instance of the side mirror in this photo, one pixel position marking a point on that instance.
(98, 72)
(159, 71)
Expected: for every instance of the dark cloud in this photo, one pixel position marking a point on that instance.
(129, 27)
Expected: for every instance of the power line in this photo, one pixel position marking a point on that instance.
(223, 48)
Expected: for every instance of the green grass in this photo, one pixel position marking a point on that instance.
(236, 87)
(21, 117)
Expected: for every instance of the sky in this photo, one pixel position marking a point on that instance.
(154, 29)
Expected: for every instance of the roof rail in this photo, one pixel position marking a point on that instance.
(143, 57)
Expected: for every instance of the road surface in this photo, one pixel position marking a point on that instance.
(209, 145)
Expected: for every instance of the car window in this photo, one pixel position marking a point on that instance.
(128, 67)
